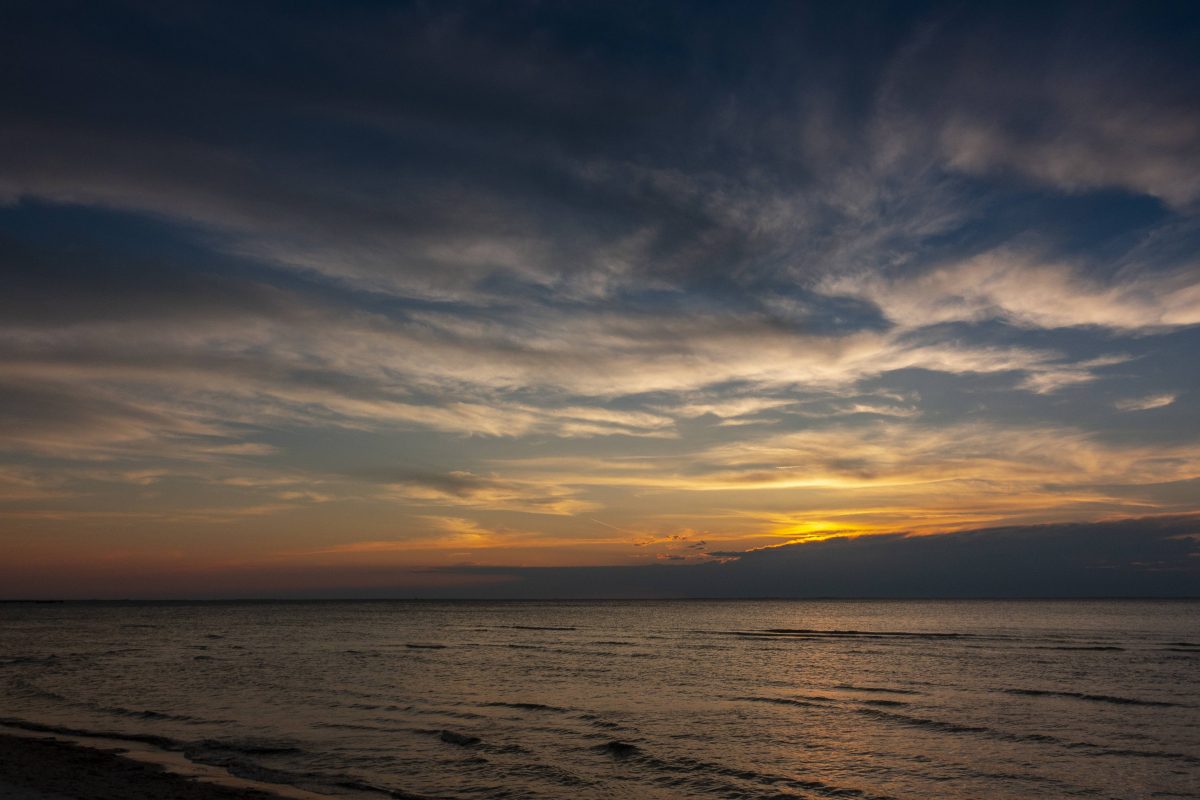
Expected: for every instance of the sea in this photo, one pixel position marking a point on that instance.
(632, 699)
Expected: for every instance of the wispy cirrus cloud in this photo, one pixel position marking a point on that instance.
(1146, 403)
(461, 488)
(1019, 289)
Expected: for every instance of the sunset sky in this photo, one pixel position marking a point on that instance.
(319, 297)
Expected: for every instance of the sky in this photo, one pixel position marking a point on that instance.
(599, 299)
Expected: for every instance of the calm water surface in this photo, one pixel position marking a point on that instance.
(980, 699)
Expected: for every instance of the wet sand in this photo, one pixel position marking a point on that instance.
(52, 769)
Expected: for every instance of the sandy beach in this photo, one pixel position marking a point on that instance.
(52, 769)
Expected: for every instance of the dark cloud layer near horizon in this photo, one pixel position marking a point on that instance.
(1151, 557)
(1133, 558)
(534, 283)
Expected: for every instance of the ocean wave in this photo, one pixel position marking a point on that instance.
(525, 706)
(27, 688)
(460, 739)
(1095, 698)
(706, 777)
(162, 742)
(550, 773)
(866, 634)
(781, 701)
(445, 712)
(156, 715)
(1040, 738)
(598, 722)
(538, 628)
(1102, 750)
(618, 749)
(1081, 647)
(253, 747)
(118, 711)
(12, 661)
(375, 788)
(955, 727)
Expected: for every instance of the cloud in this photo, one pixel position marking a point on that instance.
(525, 371)
(528, 170)
(878, 475)
(1145, 403)
(1136, 148)
(1096, 101)
(1151, 557)
(67, 419)
(1146, 557)
(889, 453)
(24, 484)
(763, 273)
(460, 488)
(434, 532)
(1025, 292)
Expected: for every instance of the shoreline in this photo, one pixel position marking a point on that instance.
(46, 766)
